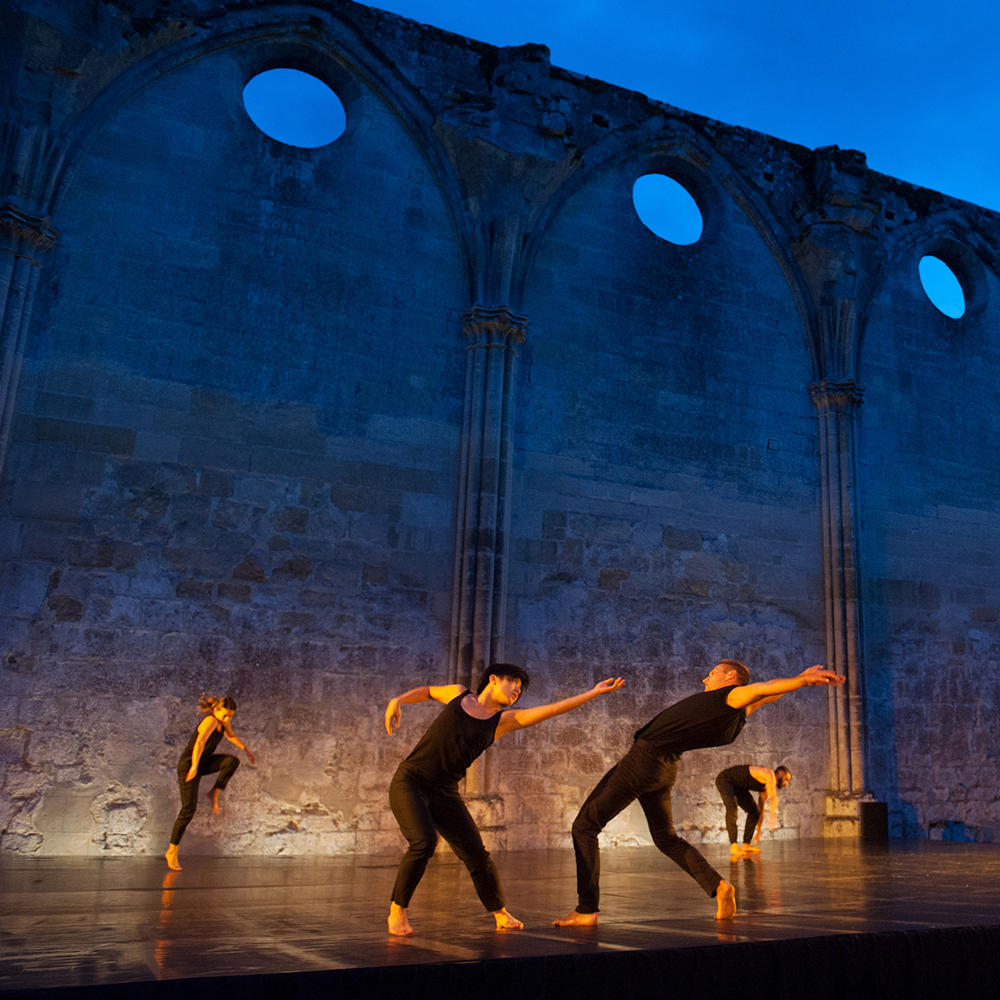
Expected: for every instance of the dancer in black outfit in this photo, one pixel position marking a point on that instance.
(199, 758)
(735, 785)
(715, 717)
(424, 792)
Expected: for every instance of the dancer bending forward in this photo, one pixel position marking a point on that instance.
(735, 785)
(424, 791)
(712, 718)
(199, 758)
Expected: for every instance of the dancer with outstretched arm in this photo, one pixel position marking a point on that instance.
(199, 758)
(736, 785)
(712, 718)
(424, 794)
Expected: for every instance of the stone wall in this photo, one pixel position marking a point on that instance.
(314, 426)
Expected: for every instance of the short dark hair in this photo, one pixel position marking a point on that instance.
(509, 670)
(782, 772)
(742, 673)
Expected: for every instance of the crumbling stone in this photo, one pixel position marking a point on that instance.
(317, 426)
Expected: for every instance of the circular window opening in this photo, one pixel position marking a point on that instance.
(295, 108)
(942, 287)
(667, 209)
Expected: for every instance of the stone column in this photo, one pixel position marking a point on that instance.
(479, 595)
(23, 238)
(836, 405)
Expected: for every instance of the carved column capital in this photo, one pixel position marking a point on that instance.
(495, 325)
(24, 230)
(830, 395)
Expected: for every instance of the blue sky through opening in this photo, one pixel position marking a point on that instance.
(914, 85)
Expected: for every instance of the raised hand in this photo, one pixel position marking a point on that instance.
(818, 674)
(392, 716)
(611, 684)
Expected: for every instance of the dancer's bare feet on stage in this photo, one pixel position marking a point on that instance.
(398, 924)
(505, 922)
(575, 919)
(751, 849)
(213, 797)
(171, 857)
(725, 896)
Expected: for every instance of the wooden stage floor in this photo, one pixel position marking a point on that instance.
(67, 923)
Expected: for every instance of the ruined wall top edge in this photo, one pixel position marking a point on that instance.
(63, 66)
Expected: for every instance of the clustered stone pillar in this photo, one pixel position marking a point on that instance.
(22, 239)
(836, 405)
(30, 160)
(479, 597)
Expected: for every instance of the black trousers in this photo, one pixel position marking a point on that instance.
(422, 812)
(734, 795)
(224, 763)
(641, 774)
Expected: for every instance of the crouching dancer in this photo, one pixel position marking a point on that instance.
(736, 785)
(424, 791)
(712, 718)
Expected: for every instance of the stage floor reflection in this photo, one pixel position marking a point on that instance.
(87, 921)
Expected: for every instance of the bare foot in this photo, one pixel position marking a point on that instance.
(505, 922)
(725, 896)
(213, 797)
(171, 857)
(575, 919)
(398, 924)
(750, 849)
(735, 852)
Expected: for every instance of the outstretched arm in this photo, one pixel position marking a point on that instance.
(443, 693)
(521, 718)
(753, 696)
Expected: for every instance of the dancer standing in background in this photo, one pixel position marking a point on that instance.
(712, 718)
(735, 785)
(424, 794)
(199, 758)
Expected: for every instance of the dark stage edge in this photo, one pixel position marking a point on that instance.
(817, 919)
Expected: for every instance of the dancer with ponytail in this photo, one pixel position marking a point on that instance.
(199, 758)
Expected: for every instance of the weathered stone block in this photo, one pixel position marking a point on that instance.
(194, 588)
(295, 569)
(290, 519)
(190, 509)
(87, 437)
(251, 570)
(239, 592)
(66, 608)
(14, 745)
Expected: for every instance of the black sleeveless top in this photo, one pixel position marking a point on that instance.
(701, 720)
(452, 742)
(210, 744)
(741, 777)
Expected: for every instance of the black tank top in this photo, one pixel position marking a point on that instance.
(741, 777)
(702, 720)
(210, 744)
(452, 742)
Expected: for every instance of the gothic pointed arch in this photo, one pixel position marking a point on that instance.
(316, 40)
(663, 143)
